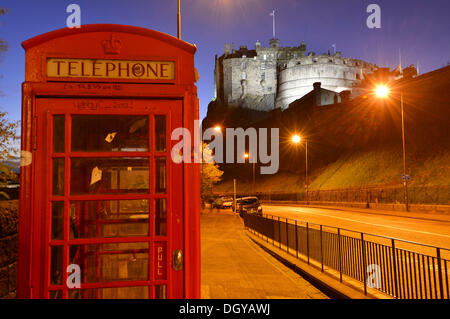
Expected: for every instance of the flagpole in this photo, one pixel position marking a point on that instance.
(273, 23)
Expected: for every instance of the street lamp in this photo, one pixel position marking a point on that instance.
(382, 91)
(217, 128)
(179, 20)
(247, 156)
(296, 139)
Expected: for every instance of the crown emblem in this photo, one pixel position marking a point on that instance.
(112, 46)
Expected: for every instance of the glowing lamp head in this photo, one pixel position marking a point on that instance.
(382, 91)
(217, 128)
(296, 139)
(246, 155)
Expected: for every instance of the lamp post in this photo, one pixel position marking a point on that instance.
(296, 139)
(383, 91)
(247, 156)
(179, 20)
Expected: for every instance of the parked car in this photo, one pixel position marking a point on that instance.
(249, 205)
(223, 202)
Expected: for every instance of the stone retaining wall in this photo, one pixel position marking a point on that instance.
(8, 247)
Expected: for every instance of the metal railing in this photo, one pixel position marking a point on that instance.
(402, 269)
(383, 195)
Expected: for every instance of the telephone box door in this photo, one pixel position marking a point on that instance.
(110, 200)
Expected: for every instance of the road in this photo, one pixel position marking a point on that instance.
(234, 267)
(422, 228)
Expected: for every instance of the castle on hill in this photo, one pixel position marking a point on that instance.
(266, 78)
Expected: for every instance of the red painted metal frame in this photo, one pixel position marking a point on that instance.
(137, 43)
(171, 109)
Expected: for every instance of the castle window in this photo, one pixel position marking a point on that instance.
(263, 76)
(244, 75)
(244, 65)
(265, 57)
(263, 65)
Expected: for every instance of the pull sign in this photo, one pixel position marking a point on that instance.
(161, 261)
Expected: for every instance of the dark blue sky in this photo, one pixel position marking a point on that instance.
(420, 28)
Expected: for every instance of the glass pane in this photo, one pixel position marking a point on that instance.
(140, 292)
(58, 134)
(104, 219)
(160, 133)
(58, 176)
(109, 175)
(111, 262)
(160, 292)
(56, 253)
(160, 175)
(109, 133)
(57, 220)
(160, 217)
(55, 294)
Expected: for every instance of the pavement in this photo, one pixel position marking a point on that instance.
(234, 267)
(426, 228)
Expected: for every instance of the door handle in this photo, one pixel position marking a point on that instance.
(177, 260)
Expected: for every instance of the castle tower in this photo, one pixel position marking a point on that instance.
(274, 43)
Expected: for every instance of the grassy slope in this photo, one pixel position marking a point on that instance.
(372, 168)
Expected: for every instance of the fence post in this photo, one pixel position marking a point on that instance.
(363, 255)
(367, 198)
(273, 237)
(287, 236)
(296, 240)
(395, 267)
(279, 232)
(321, 247)
(441, 288)
(307, 241)
(340, 255)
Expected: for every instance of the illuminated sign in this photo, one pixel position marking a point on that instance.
(110, 69)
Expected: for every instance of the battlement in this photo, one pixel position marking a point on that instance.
(277, 75)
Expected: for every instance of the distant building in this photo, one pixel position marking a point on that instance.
(272, 77)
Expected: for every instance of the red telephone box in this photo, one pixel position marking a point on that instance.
(102, 203)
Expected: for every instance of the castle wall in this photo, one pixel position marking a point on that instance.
(335, 73)
(249, 77)
(274, 77)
